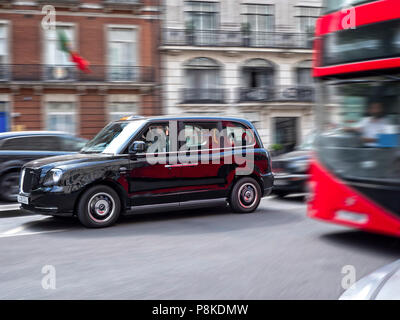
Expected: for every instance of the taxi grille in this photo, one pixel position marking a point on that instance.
(29, 180)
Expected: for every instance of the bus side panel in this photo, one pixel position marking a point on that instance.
(333, 201)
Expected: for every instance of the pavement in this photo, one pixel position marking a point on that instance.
(207, 253)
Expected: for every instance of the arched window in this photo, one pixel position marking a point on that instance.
(258, 73)
(303, 73)
(202, 81)
(202, 73)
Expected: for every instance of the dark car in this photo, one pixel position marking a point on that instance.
(149, 162)
(291, 169)
(18, 148)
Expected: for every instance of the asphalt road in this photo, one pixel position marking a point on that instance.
(209, 253)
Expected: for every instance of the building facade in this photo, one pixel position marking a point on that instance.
(41, 89)
(246, 58)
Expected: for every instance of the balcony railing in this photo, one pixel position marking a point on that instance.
(203, 96)
(224, 38)
(280, 93)
(122, 3)
(69, 73)
(59, 2)
(4, 72)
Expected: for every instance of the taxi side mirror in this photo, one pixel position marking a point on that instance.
(137, 147)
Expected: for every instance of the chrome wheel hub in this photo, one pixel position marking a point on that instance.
(101, 207)
(247, 195)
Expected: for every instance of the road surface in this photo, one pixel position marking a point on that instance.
(207, 253)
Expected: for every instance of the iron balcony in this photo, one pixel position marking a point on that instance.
(69, 73)
(229, 38)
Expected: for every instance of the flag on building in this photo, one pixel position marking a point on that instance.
(65, 46)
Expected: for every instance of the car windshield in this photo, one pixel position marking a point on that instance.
(113, 138)
(359, 129)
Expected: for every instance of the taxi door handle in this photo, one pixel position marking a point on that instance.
(170, 166)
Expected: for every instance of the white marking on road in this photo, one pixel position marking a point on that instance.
(18, 231)
(14, 231)
(4, 235)
(10, 207)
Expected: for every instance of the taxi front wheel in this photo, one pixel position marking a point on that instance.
(99, 207)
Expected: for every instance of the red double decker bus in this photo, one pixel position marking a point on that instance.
(355, 174)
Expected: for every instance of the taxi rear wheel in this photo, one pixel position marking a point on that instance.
(99, 207)
(245, 196)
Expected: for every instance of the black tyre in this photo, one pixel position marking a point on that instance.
(9, 186)
(99, 207)
(245, 196)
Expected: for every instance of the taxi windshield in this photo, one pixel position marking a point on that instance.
(113, 138)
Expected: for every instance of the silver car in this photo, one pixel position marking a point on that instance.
(383, 284)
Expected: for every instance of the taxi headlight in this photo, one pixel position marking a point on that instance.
(53, 177)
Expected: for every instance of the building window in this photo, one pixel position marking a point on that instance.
(258, 17)
(201, 22)
(4, 52)
(257, 80)
(303, 73)
(61, 116)
(58, 64)
(286, 132)
(53, 53)
(119, 110)
(258, 73)
(307, 17)
(4, 117)
(201, 15)
(202, 73)
(122, 46)
(3, 43)
(203, 81)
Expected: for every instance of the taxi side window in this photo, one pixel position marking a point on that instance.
(237, 135)
(156, 138)
(200, 135)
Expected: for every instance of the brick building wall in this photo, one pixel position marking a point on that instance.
(26, 91)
